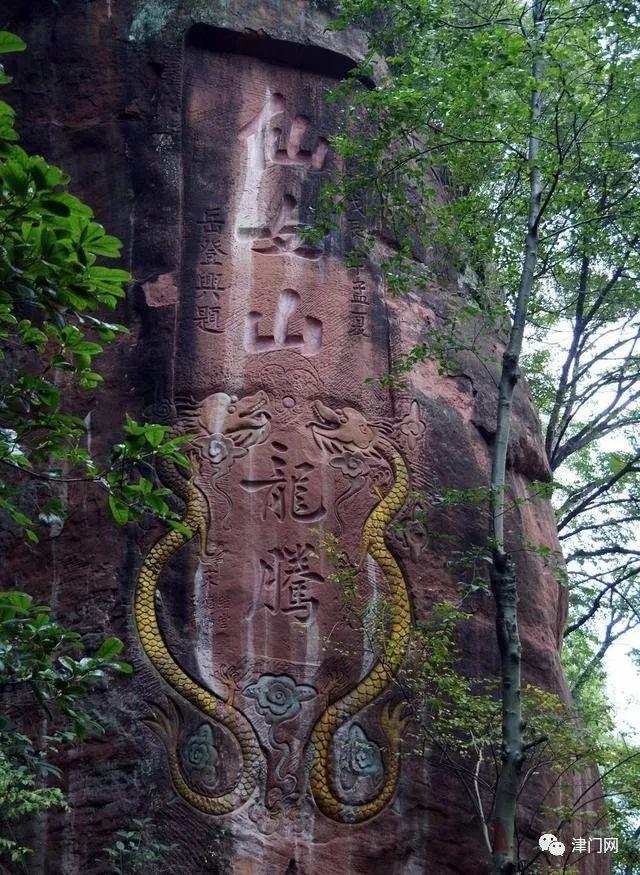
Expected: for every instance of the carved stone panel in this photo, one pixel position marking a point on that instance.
(270, 687)
(255, 154)
(267, 651)
(200, 135)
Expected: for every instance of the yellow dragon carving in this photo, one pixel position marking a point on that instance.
(242, 424)
(338, 430)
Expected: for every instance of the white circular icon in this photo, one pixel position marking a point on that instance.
(556, 848)
(548, 842)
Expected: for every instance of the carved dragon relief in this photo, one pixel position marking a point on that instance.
(228, 428)
(234, 425)
(348, 429)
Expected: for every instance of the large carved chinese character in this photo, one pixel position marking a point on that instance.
(283, 235)
(308, 342)
(287, 580)
(279, 231)
(264, 137)
(285, 492)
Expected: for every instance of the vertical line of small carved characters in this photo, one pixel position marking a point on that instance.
(210, 285)
(359, 305)
(360, 295)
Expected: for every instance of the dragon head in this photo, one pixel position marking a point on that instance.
(244, 420)
(342, 428)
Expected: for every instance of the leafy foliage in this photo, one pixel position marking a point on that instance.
(437, 166)
(43, 665)
(55, 297)
(135, 849)
(503, 138)
(617, 757)
(455, 719)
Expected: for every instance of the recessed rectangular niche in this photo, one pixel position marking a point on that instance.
(255, 152)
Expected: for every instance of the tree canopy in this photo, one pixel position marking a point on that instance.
(503, 137)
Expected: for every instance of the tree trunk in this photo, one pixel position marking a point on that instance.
(505, 592)
(503, 574)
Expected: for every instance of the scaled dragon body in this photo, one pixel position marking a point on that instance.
(243, 423)
(347, 429)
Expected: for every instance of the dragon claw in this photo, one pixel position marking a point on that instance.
(164, 720)
(394, 721)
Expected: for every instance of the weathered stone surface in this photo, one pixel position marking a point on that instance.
(199, 132)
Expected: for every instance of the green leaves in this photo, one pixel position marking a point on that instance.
(47, 662)
(95, 240)
(56, 206)
(48, 248)
(15, 604)
(10, 42)
(16, 181)
(135, 849)
(523, 121)
(54, 291)
(109, 647)
(130, 493)
(37, 651)
(119, 510)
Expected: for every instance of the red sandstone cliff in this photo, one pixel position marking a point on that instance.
(198, 131)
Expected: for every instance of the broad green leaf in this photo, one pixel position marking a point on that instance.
(119, 511)
(109, 647)
(11, 42)
(57, 207)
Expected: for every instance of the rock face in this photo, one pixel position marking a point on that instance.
(260, 732)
